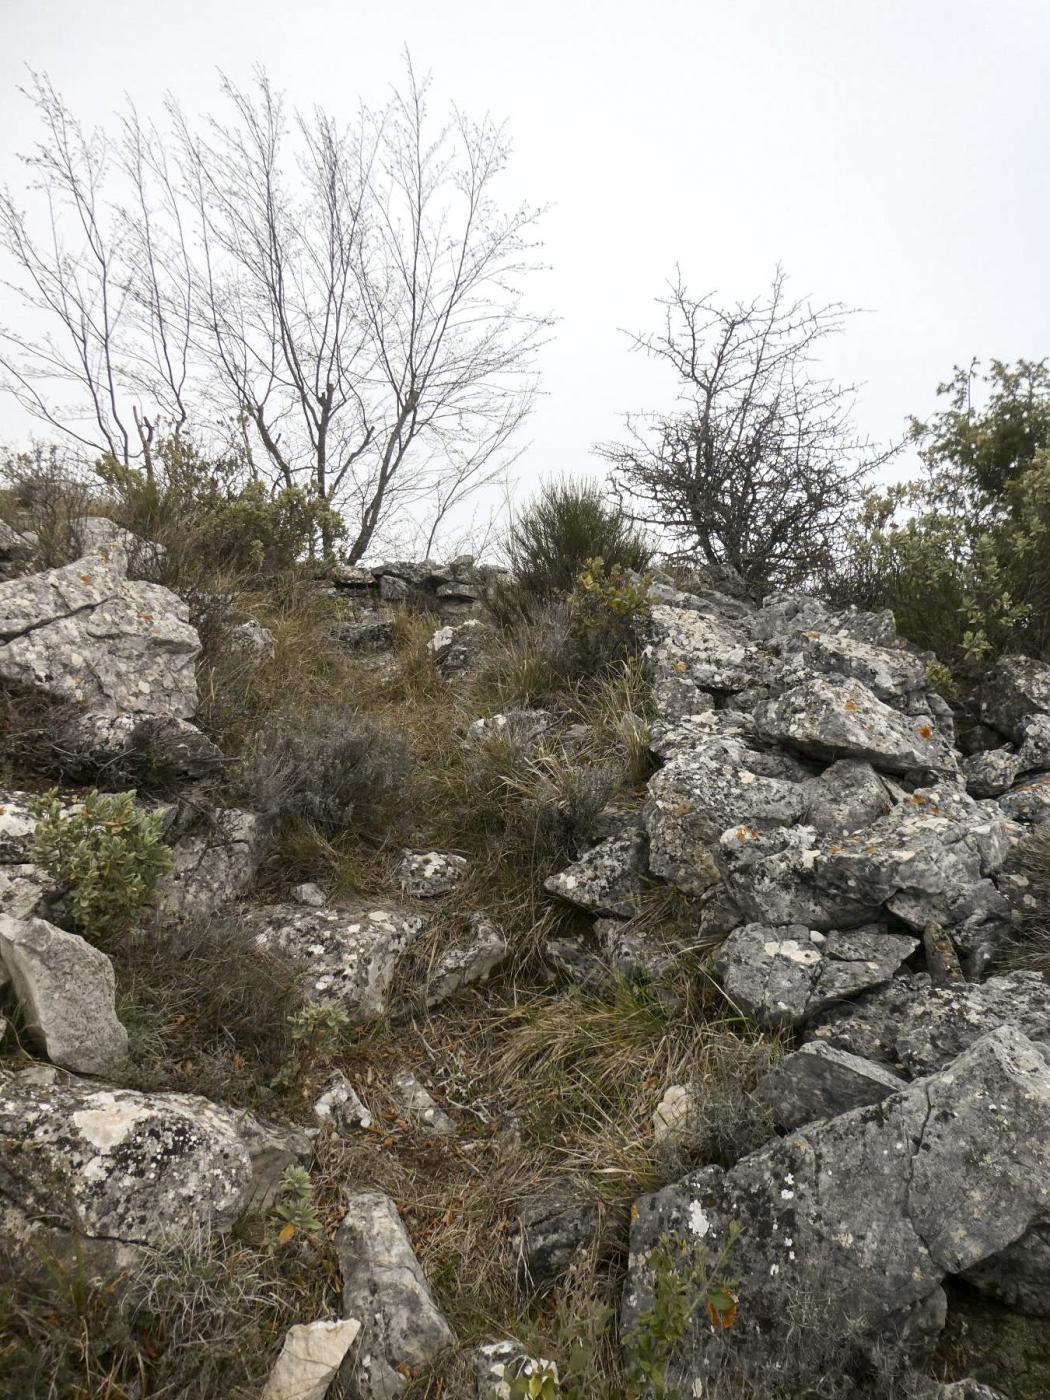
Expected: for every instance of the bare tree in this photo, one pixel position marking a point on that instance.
(344, 303)
(759, 465)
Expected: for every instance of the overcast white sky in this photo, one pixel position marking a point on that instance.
(891, 153)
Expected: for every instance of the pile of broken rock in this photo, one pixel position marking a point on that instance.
(854, 856)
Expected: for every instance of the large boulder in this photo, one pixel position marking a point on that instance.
(349, 954)
(111, 1165)
(1017, 688)
(922, 1028)
(383, 1285)
(703, 650)
(66, 990)
(781, 977)
(854, 1223)
(85, 632)
(834, 717)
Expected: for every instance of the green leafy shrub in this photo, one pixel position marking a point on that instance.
(566, 525)
(329, 769)
(218, 510)
(107, 855)
(607, 616)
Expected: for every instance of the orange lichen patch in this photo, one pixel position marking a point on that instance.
(85, 578)
(634, 1212)
(722, 1308)
(834, 851)
(746, 833)
(925, 732)
(679, 668)
(813, 636)
(851, 705)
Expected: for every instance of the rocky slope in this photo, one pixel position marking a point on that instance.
(811, 804)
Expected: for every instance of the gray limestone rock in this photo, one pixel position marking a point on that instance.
(858, 1219)
(1016, 689)
(769, 876)
(66, 990)
(254, 640)
(922, 1027)
(349, 953)
(990, 772)
(893, 675)
(372, 635)
(23, 890)
(819, 1081)
(518, 729)
(384, 1286)
(135, 748)
(457, 649)
(1034, 753)
(114, 1165)
(212, 865)
(550, 1234)
(17, 825)
(430, 874)
(698, 795)
(781, 977)
(87, 633)
(608, 880)
(1028, 803)
(847, 796)
(468, 962)
(833, 717)
(418, 1103)
(340, 1108)
(309, 894)
(708, 652)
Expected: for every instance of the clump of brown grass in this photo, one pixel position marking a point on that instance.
(1030, 859)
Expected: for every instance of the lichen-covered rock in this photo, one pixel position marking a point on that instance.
(497, 1365)
(87, 633)
(340, 1108)
(781, 977)
(114, 1165)
(832, 717)
(349, 953)
(550, 1234)
(66, 989)
(990, 772)
(1017, 688)
(1028, 803)
(17, 825)
(212, 865)
(468, 962)
(457, 649)
(430, 874)
(848, 796)
(402, 1329)
(769, 877)
(309, 1360)
(310, 894)
(698, 795)
(820, 1081)
(889, 673)
(23, 890)
(704, 650)
(608, 880)
(922, 1027)
(375, 634)
(254, 640)
(857, 1220)
(132, 747)
(637, 954)
(1034, 753)
(518, 729)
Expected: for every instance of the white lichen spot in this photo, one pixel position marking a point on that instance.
(698, 1221)
(107, 1125)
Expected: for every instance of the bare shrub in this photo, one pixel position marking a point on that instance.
(330, 768)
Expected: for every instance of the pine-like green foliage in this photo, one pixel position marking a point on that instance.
(107, 855)
(566, 525)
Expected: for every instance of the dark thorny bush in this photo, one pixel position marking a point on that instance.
(329, 769)
(44, 491)
(567, 524)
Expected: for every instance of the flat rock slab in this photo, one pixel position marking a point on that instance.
(820, 1081)
(112, 1164)
(835, 717)
(608, 880)
(349, 954)
(922, 1028)
(310, 1359)
(782, 976)
(87, 633)
(890, 673)
(860, 1218)
(66, 989)
(402, 1329)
